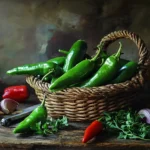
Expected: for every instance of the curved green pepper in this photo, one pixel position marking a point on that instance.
(104, 56)
(75, 55)
(86, 56)
(58, 60)
(29, 123)
(122, 62)
(53, 79)
(126, 72)
(76, 74)
(106, 72)
(36, 69)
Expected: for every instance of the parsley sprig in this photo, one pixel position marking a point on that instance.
(126, 124)
(51, 126)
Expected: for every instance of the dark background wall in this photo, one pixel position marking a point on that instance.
(34, 30)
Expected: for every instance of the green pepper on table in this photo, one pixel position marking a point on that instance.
(28, 124)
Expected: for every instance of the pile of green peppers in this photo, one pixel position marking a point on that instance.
(78, 69)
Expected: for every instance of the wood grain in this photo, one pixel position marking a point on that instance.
(69, 138)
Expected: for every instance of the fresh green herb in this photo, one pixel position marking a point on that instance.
(126, 124)
(51, 126)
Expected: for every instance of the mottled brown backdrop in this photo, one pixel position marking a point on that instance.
(33, 30)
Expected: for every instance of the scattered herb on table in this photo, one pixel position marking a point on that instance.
(38, 123)
(128, 124)
(51, 126)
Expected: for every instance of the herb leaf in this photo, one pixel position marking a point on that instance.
(51, 126)
(126, 124)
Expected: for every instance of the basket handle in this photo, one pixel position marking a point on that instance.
(143, 51)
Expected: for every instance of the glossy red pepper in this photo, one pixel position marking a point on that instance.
(18, 93)
(92, 130)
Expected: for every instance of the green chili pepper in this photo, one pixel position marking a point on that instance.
(47, 79)
(106, 72)
(39, 115)
(122, 62)
(104, 55)
(100, 60)
(98, 64)
(76, 74)
(86, 56)
(75, 55)
(36, 69)
(58, 60)
(53, 79)
(126, 72)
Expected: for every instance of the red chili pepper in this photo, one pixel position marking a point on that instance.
(18, 93)
(92, 130)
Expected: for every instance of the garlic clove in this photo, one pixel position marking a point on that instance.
(146, 114)
(8, 105)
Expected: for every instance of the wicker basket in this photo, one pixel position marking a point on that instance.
(85, 104)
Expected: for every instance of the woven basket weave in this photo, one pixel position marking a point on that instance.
(84, 104)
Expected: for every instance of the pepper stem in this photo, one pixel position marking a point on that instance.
(117, 55)
(63, 51)
(44, 99)
(47, 74)
(98, 53)
(43, 102)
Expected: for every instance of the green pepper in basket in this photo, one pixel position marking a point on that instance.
(36, 69)
(29, 123)
(104, 55)
(58, 60)
(122, 62)
(86, 56)
(76, 74)
(75, 55)
(106, 72)
(126, 72)
(53, 79)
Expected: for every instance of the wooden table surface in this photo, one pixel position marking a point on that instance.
(67, 139)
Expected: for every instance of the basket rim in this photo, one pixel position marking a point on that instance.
(135, 38)
(136, 82)
(127, 86)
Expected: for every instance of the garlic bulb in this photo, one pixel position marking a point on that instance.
(8, 105)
